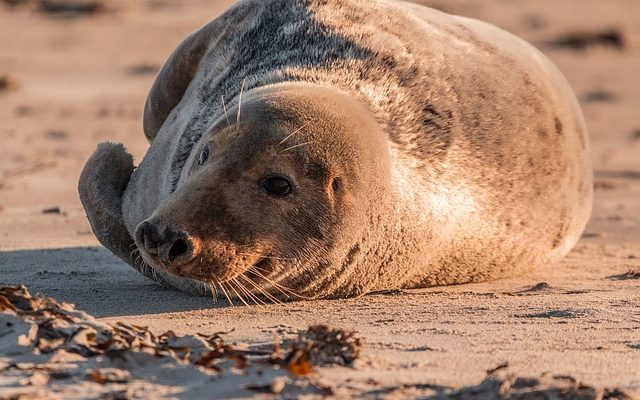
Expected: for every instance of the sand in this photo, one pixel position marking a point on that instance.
(69, 82)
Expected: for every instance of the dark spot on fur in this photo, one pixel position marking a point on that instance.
(471, 37)
(353, 251)
(558, 126)
(406, 77)
(435, 135)
(433, 117)
(581, 185)
(563, 228)
(388, 61)
(530, 162)
(581, 135)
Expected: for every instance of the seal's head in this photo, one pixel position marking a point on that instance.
(285, 197)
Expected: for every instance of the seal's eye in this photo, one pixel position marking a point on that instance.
(204, 155)
(276, 186)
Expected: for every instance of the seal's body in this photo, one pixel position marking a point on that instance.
(330, 148)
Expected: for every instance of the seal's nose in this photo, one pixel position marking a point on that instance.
(170, 248)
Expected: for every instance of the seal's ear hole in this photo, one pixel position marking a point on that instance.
(336, 184)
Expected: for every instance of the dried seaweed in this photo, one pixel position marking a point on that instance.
(321, 345)
(630, 274)
(61, 8)
(62, 331)
(507, 386)
(56, 338)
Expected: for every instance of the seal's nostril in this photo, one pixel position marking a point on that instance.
(178, 248)
(143, 240)
(142, 234)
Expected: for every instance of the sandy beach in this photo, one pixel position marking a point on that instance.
(71, 80)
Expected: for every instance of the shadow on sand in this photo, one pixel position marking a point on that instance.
(95, 281)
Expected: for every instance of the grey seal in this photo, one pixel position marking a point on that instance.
(330, 148)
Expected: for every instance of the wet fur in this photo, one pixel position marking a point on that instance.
(489, 171)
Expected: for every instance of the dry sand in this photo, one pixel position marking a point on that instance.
(67, 83)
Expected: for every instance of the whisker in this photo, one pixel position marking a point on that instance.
(139, 264)
(293, 133)
(214, 292)
(142, 265)
(266, 294)
(230, 283)
(240, 102)
(243, 290)
(295, 145)
(257, 300)
(226, 115)
(225, 294)
(279, 286)
(153, 272)
(262, 270)
(256, 273)
(250, 295)
(261, 256)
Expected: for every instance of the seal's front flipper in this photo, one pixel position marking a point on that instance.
(103, 180)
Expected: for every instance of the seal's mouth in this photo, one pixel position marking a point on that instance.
(188, 258)
(216, 271)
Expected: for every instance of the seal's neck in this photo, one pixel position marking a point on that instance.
(402, 230)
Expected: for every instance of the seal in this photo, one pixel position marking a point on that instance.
(330, 148)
